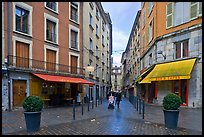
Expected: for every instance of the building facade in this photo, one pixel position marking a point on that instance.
(116, 78)
(170, 34)
(42, 52)
(97, 48)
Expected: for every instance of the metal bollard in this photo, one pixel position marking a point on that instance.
(96, 102)
(92, 104)
(137, 102)
(88, 105)
(82, 107)
(143, 107)
(139, 106)
(101, 100)
(74, 109)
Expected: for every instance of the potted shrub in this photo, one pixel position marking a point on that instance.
(171, 104)
(32, 111)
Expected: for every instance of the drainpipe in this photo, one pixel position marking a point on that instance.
(8, 60)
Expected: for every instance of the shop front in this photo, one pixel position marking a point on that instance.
(57, 90)
(170, 77)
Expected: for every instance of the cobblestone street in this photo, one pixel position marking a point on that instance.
(101, 121)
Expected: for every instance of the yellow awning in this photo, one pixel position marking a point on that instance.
(171, 71)
(145, 72)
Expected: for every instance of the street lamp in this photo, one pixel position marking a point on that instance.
(160, 52)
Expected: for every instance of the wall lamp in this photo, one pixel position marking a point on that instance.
(160, 52)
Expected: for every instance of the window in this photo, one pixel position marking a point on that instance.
(102, 57)
(51, 28)
(91, 5)
(150, 31)
(97, 31)
(74, 37)
(181, 49)
(169, 15)
(90, 44)
(195, 9)
(103, 40)
(90, 19)
(182, 13)
(22, 54)
(50, 60)
(143, 43)
(150, 6)
(53, 6)
(74, 11)
(22, 20)
(103, 25)
(144, 19)
(51, 31)
(150, 58)
(97, 14)
(97, 51)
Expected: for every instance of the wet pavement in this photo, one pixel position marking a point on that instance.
(102, 121)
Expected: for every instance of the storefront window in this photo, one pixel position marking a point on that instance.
(44, 88)
(176, 87)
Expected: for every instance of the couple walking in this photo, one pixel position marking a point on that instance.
(116, 97)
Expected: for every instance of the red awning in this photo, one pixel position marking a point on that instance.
(63, 79)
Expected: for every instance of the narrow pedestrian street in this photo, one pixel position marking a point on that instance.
(100, 120)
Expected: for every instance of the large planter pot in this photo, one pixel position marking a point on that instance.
(171, 118)
(32, 121)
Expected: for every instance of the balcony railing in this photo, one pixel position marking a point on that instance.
(27, 64)
(24, 27)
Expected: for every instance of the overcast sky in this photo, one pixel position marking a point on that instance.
(122, 15)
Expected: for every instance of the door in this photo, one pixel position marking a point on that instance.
(19, 92)
(74, 64)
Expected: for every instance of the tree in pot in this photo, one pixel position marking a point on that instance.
(171, 104)
(32, 111)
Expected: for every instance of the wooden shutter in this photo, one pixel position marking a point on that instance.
(22, 54)
(50, 60)
(169, 15)
(74, 64)
(194, 8)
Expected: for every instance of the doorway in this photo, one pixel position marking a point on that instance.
(19, 92)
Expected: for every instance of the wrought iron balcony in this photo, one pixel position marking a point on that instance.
(26, 64)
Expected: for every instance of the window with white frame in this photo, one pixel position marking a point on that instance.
(103, 40)
(22, 21)
(91, 5)
(143, 42)
(51, 28)
(150, 30)
(181, 13)
(53, 6)
(74, 11)
(103, 25)
(195, 9)
(181, 49)
(150, 6)
(74, 37)
(97, 51)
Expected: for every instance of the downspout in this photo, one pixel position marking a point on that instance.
(8, 59)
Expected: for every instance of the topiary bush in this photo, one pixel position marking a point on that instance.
(171, 102)
(32, 104)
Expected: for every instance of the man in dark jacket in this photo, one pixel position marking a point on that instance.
(118, 98)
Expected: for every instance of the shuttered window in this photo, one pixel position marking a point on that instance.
(22, 54)
(150, 31)
(50, 60)
(169, 15)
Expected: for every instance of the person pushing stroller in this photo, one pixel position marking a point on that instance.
(111, 102)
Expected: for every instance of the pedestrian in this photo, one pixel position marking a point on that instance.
(118, 99)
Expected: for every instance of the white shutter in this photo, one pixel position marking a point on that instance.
(169, 15)
(200, 9)
(194, 8)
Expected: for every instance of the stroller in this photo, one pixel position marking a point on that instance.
(111, 102)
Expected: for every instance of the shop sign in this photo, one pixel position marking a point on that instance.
(167, 78)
